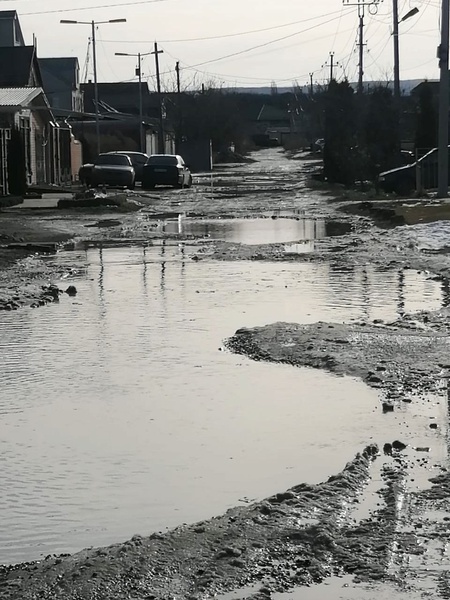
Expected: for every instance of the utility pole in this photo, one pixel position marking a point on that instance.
(332, 65)
(179, 130)
(141, 116)
(138, 72)
(177, 69)
(373, 7)
(395, 35)
(443, 103)
(311, 87)
(161, 135)
(396, 53)
(94, 60)
(361, 50)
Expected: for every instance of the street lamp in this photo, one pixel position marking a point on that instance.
(139, 74)
(94, 59)
(409, 14)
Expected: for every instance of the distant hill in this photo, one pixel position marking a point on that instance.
(405, 85)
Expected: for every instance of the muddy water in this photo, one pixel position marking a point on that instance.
(120, 413)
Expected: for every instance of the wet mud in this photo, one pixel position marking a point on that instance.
(368, 521)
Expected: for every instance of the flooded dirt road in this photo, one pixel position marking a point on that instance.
(123, 411)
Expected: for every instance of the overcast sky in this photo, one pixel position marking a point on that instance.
(295, 38)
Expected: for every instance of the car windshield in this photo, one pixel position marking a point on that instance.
(113, 159)
(162, 159)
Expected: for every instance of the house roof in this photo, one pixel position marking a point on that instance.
(123, 97)
(59, 73)
(20, 96)
(8, 14)
(16, 65)
(11, 15)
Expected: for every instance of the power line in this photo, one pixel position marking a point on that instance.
(228, 35)
(63, 10)
(263, 45)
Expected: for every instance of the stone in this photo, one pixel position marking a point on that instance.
(71, 290)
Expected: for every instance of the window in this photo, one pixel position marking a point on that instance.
(162, 159)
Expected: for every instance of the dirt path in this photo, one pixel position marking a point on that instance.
(380, 520)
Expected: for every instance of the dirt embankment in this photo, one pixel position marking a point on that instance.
(408, 356)
(293, 538)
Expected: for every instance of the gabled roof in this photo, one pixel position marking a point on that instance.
(20, 96)
(123, 97)
(17, 63)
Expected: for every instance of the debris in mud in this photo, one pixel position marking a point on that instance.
(90, 199)
(105, 223)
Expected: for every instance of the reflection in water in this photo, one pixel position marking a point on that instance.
(401, 293)
(446, 291)
(101, 284)
(256, 231)
(136, 421)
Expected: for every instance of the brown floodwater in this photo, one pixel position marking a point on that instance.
(121, 413)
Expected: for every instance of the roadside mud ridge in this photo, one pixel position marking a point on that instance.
(400, 358)
(294, 538)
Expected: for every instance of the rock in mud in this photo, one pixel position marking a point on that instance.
(71, 290)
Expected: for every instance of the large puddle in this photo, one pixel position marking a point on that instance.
(276, 229)
(120, 413)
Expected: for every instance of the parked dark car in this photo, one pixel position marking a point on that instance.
(403, 180)
(138, 160)
(114, 170)
(85, 172)
(166, 169)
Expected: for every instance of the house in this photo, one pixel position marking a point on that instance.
(61, 82)
(27, 110)
(119, 119)
(273, 126)
(10, 30)
(122, 97)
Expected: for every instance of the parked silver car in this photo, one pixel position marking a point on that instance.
(166, 169)
(114, 170)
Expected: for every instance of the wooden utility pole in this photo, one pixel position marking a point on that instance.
(311, 86)
(443, 103)
(161, 134)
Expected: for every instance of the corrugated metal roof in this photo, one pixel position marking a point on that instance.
(18, 96)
